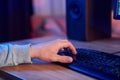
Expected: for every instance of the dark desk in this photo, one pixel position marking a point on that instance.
(40, 70)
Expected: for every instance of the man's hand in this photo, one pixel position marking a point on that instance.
(48, 51)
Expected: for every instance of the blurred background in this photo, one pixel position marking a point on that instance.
(48, 18)
(23, 19)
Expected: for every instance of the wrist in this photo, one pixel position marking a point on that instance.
(31, 52)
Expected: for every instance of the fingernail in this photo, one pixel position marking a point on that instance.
(70, 59)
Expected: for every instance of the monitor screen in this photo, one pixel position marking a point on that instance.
(116, 9)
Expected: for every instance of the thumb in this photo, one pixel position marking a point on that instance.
(64, 59)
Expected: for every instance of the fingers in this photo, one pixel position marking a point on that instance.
(64, 59)
(67, 44)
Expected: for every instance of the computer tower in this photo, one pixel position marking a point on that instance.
(88, 20)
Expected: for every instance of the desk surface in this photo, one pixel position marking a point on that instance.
(40, 70)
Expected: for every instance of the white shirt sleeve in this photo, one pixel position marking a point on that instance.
(11, 55)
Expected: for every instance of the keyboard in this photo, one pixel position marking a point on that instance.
(97, 64)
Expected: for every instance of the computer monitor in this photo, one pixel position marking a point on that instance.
(116, 9)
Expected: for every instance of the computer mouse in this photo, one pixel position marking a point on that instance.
(67, 52)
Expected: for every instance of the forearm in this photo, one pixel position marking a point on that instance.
(11, 55)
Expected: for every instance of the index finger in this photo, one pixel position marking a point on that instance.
(67, 44)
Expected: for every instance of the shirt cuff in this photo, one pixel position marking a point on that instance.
(21, 54)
